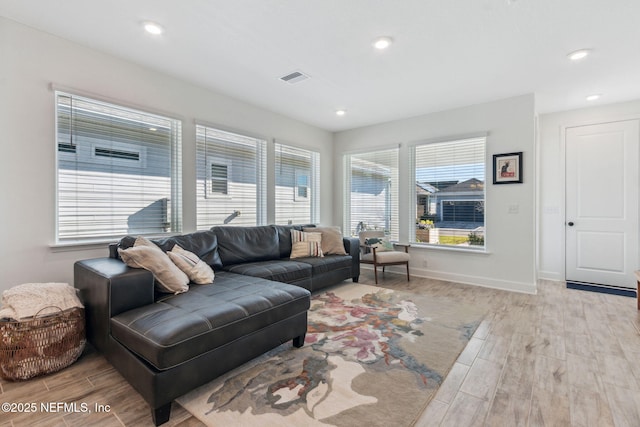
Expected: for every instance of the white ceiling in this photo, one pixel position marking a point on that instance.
(447, 53)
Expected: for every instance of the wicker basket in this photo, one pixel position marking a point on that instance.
(41, 345)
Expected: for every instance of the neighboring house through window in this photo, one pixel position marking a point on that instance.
(218, 178)
(231, 178)
(301, 192)
(450, 192)
(297, 173)
(371, 196)
(118, 171)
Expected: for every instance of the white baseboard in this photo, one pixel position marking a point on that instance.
(551, 275)
(486, 282)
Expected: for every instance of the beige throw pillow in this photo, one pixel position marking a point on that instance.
(332, 243)
(198, 271)
(301, 236)
(146, 254)
(305, 244)
(306, 249)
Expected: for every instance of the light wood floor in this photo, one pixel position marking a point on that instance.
(560, 358)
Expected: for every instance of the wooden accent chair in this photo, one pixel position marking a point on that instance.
(378, 256)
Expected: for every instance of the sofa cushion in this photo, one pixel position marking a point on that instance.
(246, 244)
(187, 325)
(284, 237)
(387, 256)
(327, 263)
(281, 271)
(202, 243)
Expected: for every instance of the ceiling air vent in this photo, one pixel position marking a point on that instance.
(294, 77)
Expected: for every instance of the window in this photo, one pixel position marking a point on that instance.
(371, 196)
(297, 176)
(231, 178)
(118, 171)
(301, 192)
(218, 178)
(450, 193)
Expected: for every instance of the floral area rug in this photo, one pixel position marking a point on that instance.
(372, 357)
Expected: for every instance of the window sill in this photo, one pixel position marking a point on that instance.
(80, 246)
(457, 249)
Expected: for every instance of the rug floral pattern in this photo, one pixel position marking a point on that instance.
(372, 356)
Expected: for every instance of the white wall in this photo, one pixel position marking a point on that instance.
(510, 259)
(551, 178)
(30, 61)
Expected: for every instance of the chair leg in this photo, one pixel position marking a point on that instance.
(408, 279)
(375, 272)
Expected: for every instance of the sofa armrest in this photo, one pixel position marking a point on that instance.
(352, 246)
(109, 287)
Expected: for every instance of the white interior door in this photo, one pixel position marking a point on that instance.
(601, 226)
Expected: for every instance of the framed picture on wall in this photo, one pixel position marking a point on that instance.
(507, 168)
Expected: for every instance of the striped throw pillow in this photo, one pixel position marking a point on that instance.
(306, 249)
(305, 244)
(302, 236)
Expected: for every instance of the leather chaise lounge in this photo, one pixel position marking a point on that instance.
(166, 345)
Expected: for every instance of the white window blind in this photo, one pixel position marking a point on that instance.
(450, 192)
(231, 178)
(297, 174)
(371, 193)
(118, 171)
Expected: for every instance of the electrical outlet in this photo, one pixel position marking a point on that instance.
(424, 263)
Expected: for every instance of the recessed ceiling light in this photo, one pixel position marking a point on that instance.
(593, 97)
(341, 112)
(153, 28)
(578, 54)
(382, 42)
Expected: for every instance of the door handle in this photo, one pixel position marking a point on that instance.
(570, 223)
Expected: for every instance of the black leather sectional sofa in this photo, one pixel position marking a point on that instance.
(166, 345)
